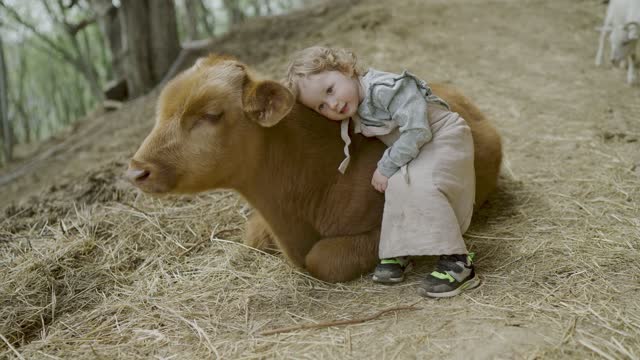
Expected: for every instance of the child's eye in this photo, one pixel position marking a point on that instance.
(320, 107)
(330, 90)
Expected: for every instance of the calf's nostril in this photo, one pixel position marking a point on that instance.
(136, 175)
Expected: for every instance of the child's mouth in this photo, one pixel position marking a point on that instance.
(344, 109)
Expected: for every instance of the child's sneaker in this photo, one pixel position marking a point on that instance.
(453, 275)
(391, 271)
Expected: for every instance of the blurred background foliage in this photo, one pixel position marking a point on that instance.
(61, 60)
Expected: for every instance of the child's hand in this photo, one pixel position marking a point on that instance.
(379, 181)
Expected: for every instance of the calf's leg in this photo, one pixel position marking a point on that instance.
(600, 53)
(632, 77)
(343, 258)
(258, 235)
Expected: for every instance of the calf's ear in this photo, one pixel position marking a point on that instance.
(266, 102)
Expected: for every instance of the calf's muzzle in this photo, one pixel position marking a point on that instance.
(149, 177)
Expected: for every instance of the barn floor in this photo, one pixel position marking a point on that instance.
(90, 268)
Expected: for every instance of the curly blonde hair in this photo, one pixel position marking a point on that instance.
(317, 59)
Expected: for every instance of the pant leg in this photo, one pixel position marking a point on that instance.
(421, 223)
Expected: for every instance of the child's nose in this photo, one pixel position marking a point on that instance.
(333, 104)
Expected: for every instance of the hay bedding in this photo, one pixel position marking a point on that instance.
(92, 269)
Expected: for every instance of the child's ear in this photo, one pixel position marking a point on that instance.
(266, 102)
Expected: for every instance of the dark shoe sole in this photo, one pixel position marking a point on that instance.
(468, 285)
(387, 280)
(392, 280)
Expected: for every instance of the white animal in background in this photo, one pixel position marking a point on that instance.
(622, 23)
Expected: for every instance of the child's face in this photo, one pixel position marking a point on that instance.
(331, 93)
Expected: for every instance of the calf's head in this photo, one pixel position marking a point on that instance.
(207, 127)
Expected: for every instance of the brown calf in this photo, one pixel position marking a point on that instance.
(218, 126)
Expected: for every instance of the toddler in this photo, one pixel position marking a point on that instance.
(426, 173)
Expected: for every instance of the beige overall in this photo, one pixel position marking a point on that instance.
(429, 203)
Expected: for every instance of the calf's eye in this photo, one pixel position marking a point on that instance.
(212, 118)
(206, 119)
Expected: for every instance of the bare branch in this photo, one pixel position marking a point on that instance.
(77, 59)
(42, 48)
(50, 11)
(71, 4)
(7, 127)
(73, 29)
(339, 322)
(61, 51)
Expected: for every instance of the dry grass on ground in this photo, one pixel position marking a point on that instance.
(90, 268)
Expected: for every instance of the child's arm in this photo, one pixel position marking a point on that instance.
(408, 108)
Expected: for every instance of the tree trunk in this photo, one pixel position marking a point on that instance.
(151, 42)
(18, 100)
(25, 121)
(7, 133)
(165, 44)
(235, 14)
(110, 26)
(192, 19)
(257, 9)
(134, 19)
(88, 69)
(210, 28)
(268, 9)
